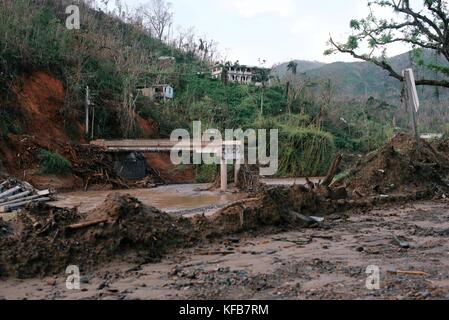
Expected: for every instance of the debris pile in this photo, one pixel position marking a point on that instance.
(401, 167)
(249, 179)
(15, 194)
(43, 240)
(94, 166)
(46, 239)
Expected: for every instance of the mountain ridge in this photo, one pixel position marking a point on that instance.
(361, 80)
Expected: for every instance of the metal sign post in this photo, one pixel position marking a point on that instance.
(411, 99)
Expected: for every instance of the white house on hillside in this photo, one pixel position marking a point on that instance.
(235, 74)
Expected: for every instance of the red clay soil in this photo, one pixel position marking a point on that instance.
(168, 171)
(148, 127)
(40, 98)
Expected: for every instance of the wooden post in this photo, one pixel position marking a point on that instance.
(411, 99)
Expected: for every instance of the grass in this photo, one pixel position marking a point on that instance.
(304, 151)
(205, 173)
(53, 163)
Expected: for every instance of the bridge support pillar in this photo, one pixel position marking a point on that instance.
(224, 175)
(236, 171)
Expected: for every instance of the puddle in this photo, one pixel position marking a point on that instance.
(173, 198)
(290, 181)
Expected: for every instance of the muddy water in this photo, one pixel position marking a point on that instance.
(174, 198)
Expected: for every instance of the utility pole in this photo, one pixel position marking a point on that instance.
(93, 122)
(87, 104)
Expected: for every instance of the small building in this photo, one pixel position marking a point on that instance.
(158, 92)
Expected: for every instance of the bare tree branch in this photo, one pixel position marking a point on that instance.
(424, 28)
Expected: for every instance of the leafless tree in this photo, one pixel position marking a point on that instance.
(157, 15)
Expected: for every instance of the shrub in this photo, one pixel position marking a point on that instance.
(53, 163)
(205, 173)
(304, 151)
(7, 125)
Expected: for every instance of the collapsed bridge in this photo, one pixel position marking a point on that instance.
(229, 151)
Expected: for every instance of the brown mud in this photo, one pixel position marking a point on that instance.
(401, 167)
(327, 262)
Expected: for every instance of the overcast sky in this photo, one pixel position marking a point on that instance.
(274, 30)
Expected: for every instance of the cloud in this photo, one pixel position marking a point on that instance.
(252, 8)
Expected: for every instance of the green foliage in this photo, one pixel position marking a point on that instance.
(53, 163)
(7, 125)
(352, 43)
(304, 151)
(205, 173)
(354, 24)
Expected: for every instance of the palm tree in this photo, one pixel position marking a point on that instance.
(293, 67)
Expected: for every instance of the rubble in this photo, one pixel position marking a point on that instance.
(15, 194)
(400, 167)
(47, 239)
(43, 240)
(94, 166)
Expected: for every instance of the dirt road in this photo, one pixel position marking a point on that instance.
(325, 263)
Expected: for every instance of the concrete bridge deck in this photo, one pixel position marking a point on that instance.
(161, 145)
(228, 150)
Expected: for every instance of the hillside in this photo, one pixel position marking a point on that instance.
(303, 66)
(45, 70)
(360, 80)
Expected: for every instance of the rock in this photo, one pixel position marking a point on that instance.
(84, 279)
(234, 239)
(360, 249)
(176, 270)
(424, 294)
(102, 285)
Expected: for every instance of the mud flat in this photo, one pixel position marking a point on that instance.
(321, 263)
